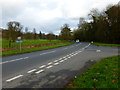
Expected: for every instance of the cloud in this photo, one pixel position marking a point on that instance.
(49, 15)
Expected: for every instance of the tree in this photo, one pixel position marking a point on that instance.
(65, 33)
(34, 33)
(113, 18)
(50, 36)
(14, 29)
(40, 35)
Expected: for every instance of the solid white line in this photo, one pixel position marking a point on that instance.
(31, 71)
(42, 66)
(14, 78)
(49, 63)
(49, 66)
(39, 71)
(56, 63)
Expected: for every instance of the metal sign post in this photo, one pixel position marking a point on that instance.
(19, 41)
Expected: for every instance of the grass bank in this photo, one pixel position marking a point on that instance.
(14, 52)
(103, 74)
(104, 44)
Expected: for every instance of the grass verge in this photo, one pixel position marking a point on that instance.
(104, 44)
(103, 74)
(14, 52)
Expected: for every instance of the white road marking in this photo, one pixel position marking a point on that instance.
(56, 63)
(48, 52)
(69, 57)
(65, 58)
(55, 60)
(49, 66)
(80, 51)
(60, 58)
(39, 71)
(26, 57)
(14, 60)
(98, 50)
(14, 78)
(65, 48)
(62, 61)
(49, 63)
(31, 71)
(42, 66)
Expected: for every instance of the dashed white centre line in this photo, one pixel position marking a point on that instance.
(49, 63)
(69, 57)
(9, 80)
(56, 63)
(55, 60)
(49, 66)
(26, 57)
(42, 66)
(62, 61)
(39, 71)
(65, 58)
(31, 71)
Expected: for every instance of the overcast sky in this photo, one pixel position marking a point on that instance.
(48, 15)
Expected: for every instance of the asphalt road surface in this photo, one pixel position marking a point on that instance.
(53, 68)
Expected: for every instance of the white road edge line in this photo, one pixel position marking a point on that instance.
(31, 71)
(14, 78)
(39, 71)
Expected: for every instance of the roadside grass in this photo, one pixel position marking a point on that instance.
(13, 52)
(5, 43)
(103, 74)
(104, 44)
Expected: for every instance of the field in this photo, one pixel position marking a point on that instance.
(109, 45)
(5, 43)
(103, 74)
(30, 46)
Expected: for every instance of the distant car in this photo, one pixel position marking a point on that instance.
(77, 41)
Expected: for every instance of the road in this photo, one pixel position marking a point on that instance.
(51, 68)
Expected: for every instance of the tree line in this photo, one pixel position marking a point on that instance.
(15, 30)
(102, 27)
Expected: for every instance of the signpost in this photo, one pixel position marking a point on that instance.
(19, 41)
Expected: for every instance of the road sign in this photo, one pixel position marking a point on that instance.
(19, 38)
(19, 41)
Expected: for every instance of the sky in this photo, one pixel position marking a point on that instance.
(48, 15)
